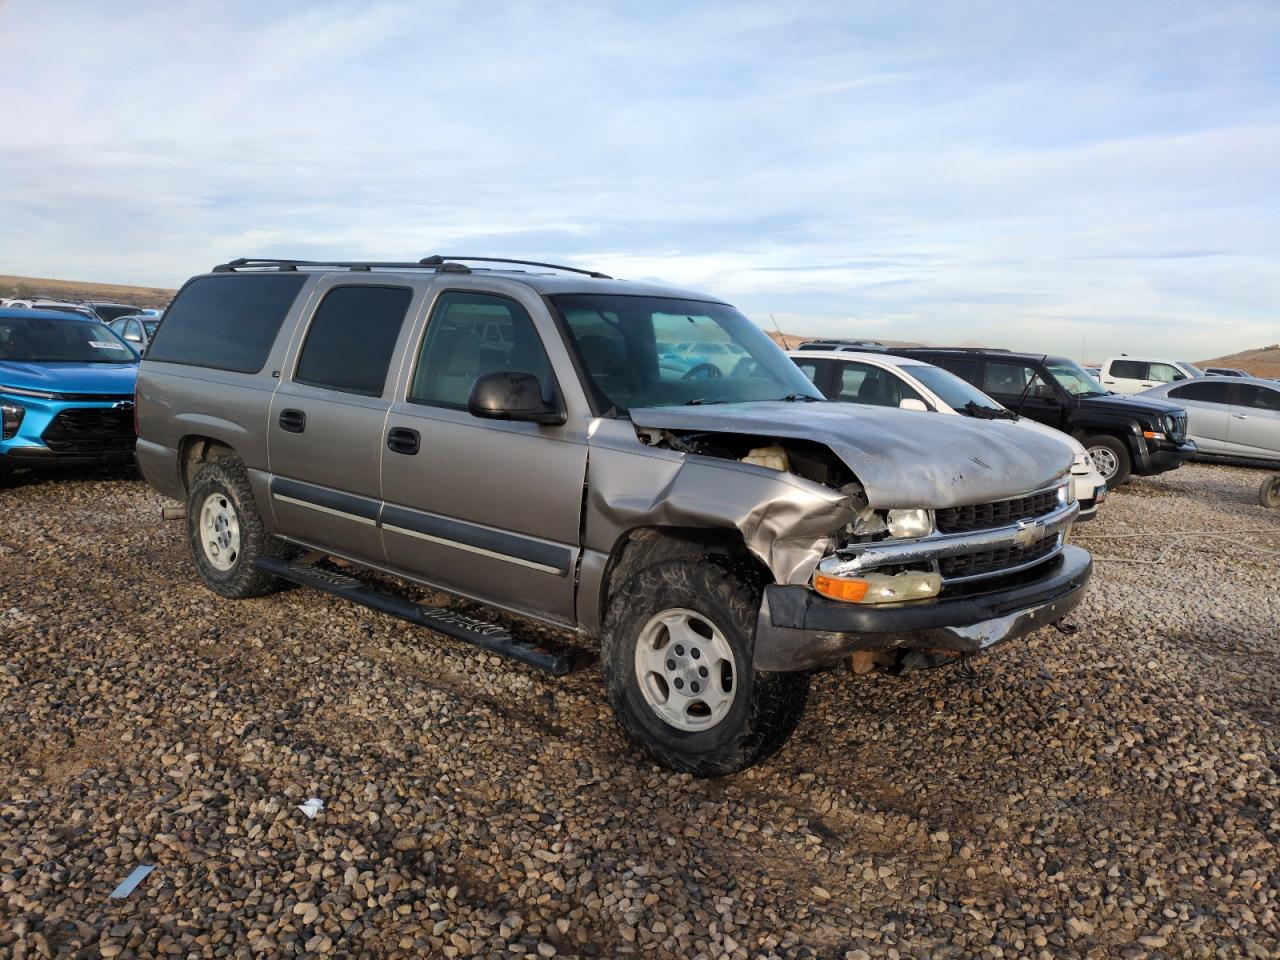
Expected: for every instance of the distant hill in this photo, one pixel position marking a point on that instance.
(1263, 362)
(29, 288)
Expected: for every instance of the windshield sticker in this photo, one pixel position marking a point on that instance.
(106, 345)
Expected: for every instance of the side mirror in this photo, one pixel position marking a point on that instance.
(508, 395)
(911, 403)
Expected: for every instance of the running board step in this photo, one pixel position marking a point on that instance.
(460, 626)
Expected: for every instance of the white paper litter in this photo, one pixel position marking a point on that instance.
(311, 807)
(128, 884)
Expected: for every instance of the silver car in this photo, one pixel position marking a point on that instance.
(1229, 416)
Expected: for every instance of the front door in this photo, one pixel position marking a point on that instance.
(1024, 389)
(1254, 430)
(484, 508)
(328, 416)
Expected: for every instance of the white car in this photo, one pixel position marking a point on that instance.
(884, 380)
(1126, 374)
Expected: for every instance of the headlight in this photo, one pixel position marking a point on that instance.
(12, 416)
(909, 524)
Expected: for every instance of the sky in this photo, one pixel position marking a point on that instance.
(1080, 178)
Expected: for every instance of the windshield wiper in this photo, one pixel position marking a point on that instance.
(975, 409)
(798, 397)
(702, 401)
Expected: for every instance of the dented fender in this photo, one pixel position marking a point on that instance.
(786, 521)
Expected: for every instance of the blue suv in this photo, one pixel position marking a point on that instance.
(66, 391)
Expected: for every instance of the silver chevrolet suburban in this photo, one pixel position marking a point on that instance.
(636, 463)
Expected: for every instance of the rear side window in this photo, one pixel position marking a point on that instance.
(1129, 369)
(1204, 391)
(226, 322)
(351, 338)
(962, 367)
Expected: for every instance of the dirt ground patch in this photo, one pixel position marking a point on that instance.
(1113, 793)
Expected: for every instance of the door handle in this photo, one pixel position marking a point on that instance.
(294, 421)
(403, 440)
(1241, 416)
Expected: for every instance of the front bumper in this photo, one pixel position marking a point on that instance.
(1161, 456)
(798, 629)
(43, 457)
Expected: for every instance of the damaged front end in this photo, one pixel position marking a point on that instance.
(857, 566)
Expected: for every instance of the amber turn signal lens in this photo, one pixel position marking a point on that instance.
(851, 591)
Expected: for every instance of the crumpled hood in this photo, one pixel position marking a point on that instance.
(118, 378)
(902, 458)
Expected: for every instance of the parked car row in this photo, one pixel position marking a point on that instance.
(103, 310)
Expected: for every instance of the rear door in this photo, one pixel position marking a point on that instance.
(485, 508)
(328, 416)
(1254, 426)
(1208, 404)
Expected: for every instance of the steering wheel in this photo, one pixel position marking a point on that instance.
(703, 371)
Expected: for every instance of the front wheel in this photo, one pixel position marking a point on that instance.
(226, 532)
(677, 652)
(1111, 457)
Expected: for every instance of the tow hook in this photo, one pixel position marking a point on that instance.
(1066, 629)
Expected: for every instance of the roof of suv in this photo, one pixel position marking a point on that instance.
(545, 282)
(976, 352)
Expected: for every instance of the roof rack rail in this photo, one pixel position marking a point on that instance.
(260, 263)
(435, 262)
(436, 259)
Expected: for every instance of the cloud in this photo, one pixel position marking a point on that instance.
(948, 172)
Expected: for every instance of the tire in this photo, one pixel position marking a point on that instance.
(1111, 457)
(718, 599)
(225, 555)
(1269, 492)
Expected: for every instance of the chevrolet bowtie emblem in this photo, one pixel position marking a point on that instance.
(1029, 532)
(122, 405)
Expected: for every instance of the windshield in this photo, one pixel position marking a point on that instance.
(954, 392)
(1073, 379)
(41, 340)
(660, 352)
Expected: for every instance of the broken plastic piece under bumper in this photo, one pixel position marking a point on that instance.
(798, 629)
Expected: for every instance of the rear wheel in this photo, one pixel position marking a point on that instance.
(1269, 494)
(1111, 457)
(677, 654)
(226, 532)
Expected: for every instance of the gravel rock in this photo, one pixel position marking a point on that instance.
(1108, 793)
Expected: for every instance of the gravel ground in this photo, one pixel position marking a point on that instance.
(1107, 794)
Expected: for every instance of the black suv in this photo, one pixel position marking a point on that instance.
(1124, 434)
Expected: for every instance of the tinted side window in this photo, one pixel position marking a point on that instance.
(1205, 391)
(868, 384)
(468, 336)
(226, 322)
(1009, 379)
(1129, 369)
(1259, 398)
(349, 343)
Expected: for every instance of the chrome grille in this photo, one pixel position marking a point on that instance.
(992, 561)
(1001, 513)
